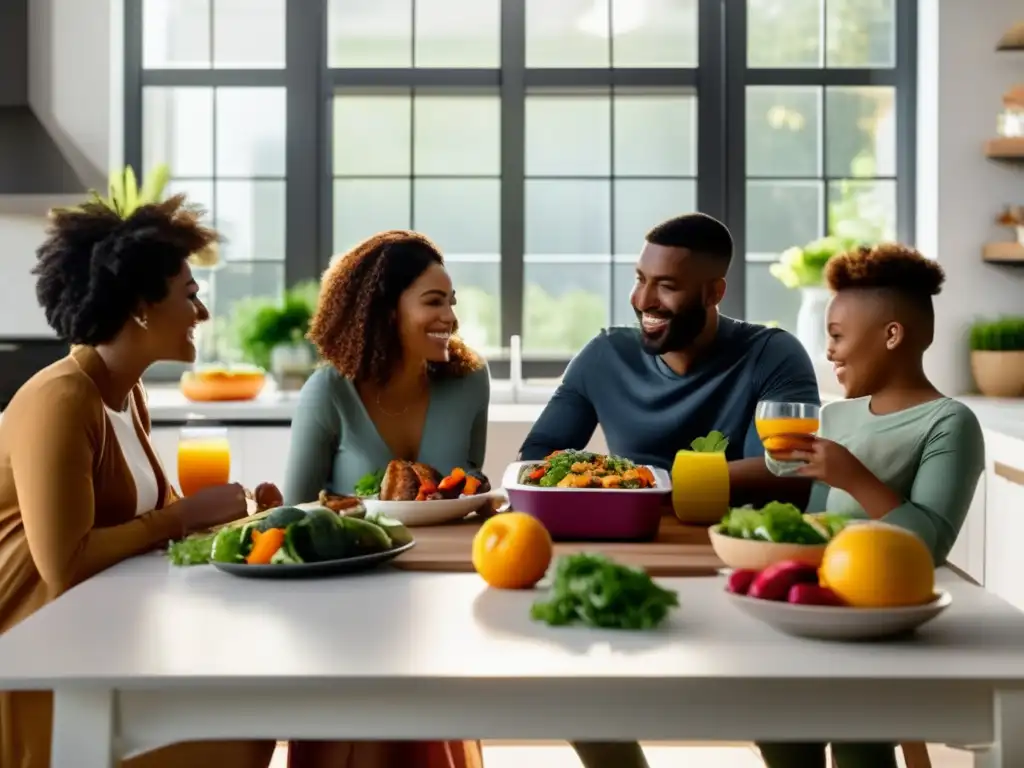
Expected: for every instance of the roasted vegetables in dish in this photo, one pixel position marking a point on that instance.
(416, 481)
(582, 469)
(291, 536)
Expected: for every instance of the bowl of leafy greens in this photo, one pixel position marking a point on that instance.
(756, 538)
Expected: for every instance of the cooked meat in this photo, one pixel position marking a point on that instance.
(403, 480)
(336, 502)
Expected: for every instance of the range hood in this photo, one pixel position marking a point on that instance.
(33, 170)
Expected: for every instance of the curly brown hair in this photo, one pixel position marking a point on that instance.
(887, 266)
(353, 326)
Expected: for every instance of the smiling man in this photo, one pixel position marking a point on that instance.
(687, 370)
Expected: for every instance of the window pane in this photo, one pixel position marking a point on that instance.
(564, 304)
(654, 35)
(861, 33)
(784, 33)
(567, 269)
(458, 33)
(641, 204)
(456, 135)
(623, 281)
(783, 131)
(781, 214)
(248, 34)
(864, 210)
(568, 134)
(575, 33)
(568, 217)
(251, 131)
(235, 284)
(567, 33)
(655, 134)
(768, 300)
(372, 135)
(364, 207)
(177, 129)
(250, 216)
(861, 135)
(369, 33)
(478, 291)
(461, 215)
(175, 34)
(198, 192)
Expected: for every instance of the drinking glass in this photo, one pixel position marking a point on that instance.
(785, 427)
(204, 458)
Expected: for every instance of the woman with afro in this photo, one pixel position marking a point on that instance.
(897, 449)
(80, 485)
(397, 383)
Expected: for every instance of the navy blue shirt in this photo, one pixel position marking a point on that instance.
(648, 412)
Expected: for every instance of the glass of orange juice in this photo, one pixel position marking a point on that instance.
(785, 427)
(204, 458)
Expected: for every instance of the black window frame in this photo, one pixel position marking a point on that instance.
(719, 82)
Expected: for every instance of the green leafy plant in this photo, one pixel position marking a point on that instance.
(802, 267)
(1003, 335)
(258, 324)
(594, 590)
(713, 442)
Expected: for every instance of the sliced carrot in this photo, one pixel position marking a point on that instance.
(265, 545)
(454, 479)
(472, 485)
(538, 473)
(646, 476)
(425, 490)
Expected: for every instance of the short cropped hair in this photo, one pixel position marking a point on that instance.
(95, 267)
(892, 267)
(696, 232)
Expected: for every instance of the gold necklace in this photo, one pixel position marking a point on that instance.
(386, 412)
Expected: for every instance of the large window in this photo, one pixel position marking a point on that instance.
(535, 141)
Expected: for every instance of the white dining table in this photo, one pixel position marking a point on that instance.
(146, 654)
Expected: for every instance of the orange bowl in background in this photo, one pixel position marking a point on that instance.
(219, 384)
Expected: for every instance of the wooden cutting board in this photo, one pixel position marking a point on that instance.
(679, 550)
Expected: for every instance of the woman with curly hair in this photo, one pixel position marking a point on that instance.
(897, 449)
(398, 384)
(81, 488)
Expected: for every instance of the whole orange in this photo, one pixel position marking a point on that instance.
(512, 551)
(877, 565)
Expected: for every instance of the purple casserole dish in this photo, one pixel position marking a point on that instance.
(591, 514)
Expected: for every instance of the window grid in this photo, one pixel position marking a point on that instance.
(720, 82)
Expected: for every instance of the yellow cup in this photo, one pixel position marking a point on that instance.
(700, 487)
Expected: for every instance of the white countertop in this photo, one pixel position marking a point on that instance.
(167, 627)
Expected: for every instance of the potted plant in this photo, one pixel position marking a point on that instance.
(271, 333)
(997, 356)
(803, 269)
(1012, 216)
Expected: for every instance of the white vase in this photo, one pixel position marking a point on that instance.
(810, 320)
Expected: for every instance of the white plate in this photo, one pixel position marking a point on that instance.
(413, 513)
(828, 623)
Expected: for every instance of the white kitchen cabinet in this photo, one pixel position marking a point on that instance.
(1004, 517)
(264, 453)
(968, 553)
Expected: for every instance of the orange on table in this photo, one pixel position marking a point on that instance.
(203, 462)
(512, 550)
(878, 565)
(784, 433)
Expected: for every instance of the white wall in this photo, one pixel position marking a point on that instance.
(961, 82)
(20, 314)
(75, 81)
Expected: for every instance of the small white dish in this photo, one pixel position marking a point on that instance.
(437, 512)
(842, 624)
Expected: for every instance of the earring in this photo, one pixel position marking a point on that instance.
(141, 322)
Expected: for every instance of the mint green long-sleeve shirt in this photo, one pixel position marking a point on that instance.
(334, 443)
(931, 454)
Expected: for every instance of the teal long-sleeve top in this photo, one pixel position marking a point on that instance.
(931, 454)
(334, 442)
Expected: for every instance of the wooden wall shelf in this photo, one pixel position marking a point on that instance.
(1004, 253)
(1013, 39)
(1005, 148)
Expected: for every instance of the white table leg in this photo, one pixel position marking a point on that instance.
(1008, 748)
(83, 728)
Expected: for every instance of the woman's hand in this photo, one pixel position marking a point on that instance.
(828, 462)
(212, 506)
